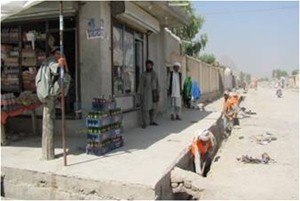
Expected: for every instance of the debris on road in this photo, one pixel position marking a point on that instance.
(263, 139)
(265, 159)
(184, 181)
(217, 158)
(241, 137)
(250, 112)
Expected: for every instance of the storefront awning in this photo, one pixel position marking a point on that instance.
(167, 14)
(11, 8)
(131, 14)
(148, 15)
(33, 9)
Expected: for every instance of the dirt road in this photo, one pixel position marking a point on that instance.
(236, 180)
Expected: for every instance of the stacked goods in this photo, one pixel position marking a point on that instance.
(27, 98)
(104, 127)
(8, 102)
(10, 78)
(6, 51)
(28, 57)
(28, 78)
(10, 35)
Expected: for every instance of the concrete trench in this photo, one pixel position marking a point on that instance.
(163, 188)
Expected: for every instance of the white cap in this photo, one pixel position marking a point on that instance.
(177, 64)
(233, 94)
(204, 136)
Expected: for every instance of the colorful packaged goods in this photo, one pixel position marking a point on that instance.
(8, 102)
(104, 126)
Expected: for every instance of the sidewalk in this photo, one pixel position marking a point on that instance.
(139, 170)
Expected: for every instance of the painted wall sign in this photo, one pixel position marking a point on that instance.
(94, 32)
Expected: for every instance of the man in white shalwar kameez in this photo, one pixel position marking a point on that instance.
(175, 91)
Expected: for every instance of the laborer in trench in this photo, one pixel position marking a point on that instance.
(227, 115)
(175, 91)
(149, 90)
(202, 150)
(235, 108)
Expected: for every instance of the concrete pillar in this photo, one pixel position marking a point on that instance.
(95, 54)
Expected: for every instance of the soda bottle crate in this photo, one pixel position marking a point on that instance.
(116, 143)
(98, 151)
(99, 137)
(116, 118)
(97, 123)
(105, 107)
(115, 132)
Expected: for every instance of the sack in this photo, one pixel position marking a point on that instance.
(48, 84)
(155, 96)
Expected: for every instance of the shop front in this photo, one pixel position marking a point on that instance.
(106, 45)
(27, 40)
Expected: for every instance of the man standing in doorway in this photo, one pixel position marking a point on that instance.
(149, 90)
(175, 91)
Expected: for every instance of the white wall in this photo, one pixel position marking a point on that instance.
(209, 78)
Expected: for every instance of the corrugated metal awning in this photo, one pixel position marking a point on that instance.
(33, 9)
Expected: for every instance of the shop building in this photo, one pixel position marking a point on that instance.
(106, 45)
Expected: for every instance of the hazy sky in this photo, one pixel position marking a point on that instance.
(255, 36)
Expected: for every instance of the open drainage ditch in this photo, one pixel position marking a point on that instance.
(217, 129)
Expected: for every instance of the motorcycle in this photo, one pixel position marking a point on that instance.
(279, 92)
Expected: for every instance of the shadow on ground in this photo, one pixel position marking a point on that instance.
(135, 139)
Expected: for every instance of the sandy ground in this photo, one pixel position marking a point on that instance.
(232, 179)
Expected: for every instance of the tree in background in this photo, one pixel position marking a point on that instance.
(248, 78)
(277, 73)
(295, 72)
(242, 76)
(208, 58)
(263, 79)
(187, 33)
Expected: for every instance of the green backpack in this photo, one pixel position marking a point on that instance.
(47, 81)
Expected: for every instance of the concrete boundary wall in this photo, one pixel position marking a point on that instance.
(209, 78)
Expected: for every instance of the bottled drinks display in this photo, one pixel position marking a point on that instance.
(104, 126)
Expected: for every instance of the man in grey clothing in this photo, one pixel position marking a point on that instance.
(149, 90)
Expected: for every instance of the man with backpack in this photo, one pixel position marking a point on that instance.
(48, 85)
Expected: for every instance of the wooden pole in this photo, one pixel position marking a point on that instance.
(63, 119)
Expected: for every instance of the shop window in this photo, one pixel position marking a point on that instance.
(127, 60)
